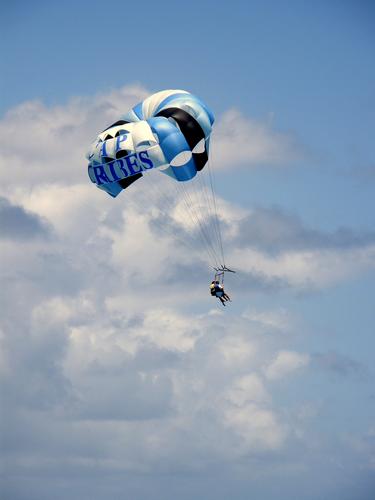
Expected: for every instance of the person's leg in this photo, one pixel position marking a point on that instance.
(222, 301)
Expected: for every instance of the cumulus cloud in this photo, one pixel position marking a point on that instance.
(108, 329)
(20, 224)
(285, 363)
(93, 367)
(276, 245)
(274, 320)
(273, 231)
(248, 389)
(252, 422)
(242, 141)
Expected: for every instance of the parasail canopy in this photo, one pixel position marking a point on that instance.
(169, 131)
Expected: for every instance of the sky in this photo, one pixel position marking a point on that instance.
(120, 376)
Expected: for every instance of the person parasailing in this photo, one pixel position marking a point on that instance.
(217, 288)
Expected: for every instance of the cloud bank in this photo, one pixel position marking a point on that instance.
(115, 361)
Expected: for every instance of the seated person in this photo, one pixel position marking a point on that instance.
(217, 290)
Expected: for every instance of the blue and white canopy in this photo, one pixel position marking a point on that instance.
(169, 131)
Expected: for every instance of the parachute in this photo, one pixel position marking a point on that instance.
(169, 132)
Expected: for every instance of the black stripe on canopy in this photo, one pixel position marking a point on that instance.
(190, 129)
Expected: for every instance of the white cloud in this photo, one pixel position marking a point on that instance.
(169, 330)
(285, 363)
(101, 334)
(248, 389)
(236, 350)
(307, 270)
(258, 427)
(240, 141)
(280, 319)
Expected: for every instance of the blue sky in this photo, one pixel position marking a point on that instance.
(133, 386)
